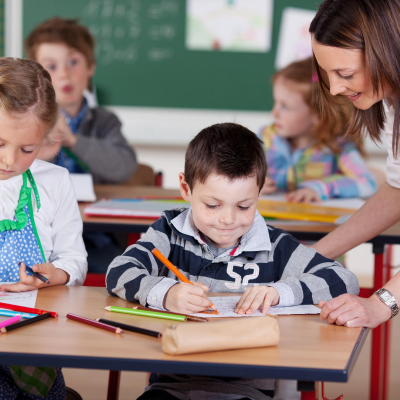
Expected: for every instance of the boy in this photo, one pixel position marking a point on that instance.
(91, 137)
(222, 244)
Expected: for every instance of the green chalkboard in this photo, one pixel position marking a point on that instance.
(142, 59)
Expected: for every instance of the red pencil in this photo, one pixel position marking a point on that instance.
(94, 323)
(27, 309)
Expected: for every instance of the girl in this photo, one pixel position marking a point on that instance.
(40, 224)
(306, 155)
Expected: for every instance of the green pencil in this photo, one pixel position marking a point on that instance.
(146, 313)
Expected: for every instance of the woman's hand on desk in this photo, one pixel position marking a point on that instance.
(27, 282)
(353, 311)
(256, 296)
(186, 298)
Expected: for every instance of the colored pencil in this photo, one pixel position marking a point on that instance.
(174, 270)
(94, 323)
(188, 316)
(9, 321)
(8, 313)
(27, 309)
(23, 323)
(145, 313)
(37, 275)
(130, 328)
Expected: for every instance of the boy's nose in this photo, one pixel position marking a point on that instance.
(228, 217)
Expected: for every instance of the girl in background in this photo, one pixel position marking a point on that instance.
(306, 155)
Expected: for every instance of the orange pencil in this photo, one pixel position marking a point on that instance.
(173, 269)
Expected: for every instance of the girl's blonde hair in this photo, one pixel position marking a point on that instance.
(330, 127)
(26, 86)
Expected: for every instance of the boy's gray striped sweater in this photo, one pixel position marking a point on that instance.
(265, 256)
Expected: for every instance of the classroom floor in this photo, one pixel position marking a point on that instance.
(92, 385)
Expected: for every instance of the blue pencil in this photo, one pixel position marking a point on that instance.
(8, 313)
(37, 275)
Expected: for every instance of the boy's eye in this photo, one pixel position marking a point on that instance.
(243, 208)
(50, 67)
(211, 206)
(27, 151)
(73, 62)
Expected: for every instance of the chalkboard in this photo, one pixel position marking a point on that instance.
(142, 59)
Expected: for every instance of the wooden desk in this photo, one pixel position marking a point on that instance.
(300, 230)
(309, 350)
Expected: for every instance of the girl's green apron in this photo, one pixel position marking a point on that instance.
(20, 242)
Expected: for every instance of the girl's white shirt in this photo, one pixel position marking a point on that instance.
(58, 222)
(392, 163)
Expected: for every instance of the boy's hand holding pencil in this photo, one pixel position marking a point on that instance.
(184, 298)
(187, 298)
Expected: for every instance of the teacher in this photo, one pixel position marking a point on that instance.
(356, 47)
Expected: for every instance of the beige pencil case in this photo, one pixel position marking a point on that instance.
(238, 333)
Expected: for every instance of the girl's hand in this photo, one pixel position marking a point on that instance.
(353, 311)
(27, 282)
(303, 195)
(185, 298)
(256, 296)
(269, 186)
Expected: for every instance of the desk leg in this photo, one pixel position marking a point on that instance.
(388, 327)
(377, 362)
(307, 390)
(113, 385)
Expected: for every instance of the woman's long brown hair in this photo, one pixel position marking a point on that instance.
(373, 27)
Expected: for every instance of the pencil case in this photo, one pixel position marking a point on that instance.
(238, 333)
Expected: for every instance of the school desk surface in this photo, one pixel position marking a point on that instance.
(309, 350)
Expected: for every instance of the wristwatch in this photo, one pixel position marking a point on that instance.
(386, 297)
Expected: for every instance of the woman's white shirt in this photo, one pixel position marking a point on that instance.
(392, 163)
(58, 222)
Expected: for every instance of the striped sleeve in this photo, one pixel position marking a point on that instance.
(132, 275)
(353, 179)
(310, 276)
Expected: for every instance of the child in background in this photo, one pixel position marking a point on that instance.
(91, 137)
(40, 223)
(306, 156)
(222, 244)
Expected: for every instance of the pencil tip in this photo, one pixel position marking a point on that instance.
(107, 308)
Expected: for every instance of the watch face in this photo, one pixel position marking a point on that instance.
(386, 296)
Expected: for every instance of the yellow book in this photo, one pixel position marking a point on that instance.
(303, 212)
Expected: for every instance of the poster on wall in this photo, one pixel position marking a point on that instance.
(229, 25)
(294, 39)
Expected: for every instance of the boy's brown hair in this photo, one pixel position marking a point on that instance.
(228, 149)
(61, 30)
(26, 86)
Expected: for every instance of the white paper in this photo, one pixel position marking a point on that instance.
(240, 25)
(226, 308)
(83, 186)
(294, 39)
(25, 299)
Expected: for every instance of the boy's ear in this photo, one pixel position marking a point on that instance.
(92, 70)
(184, 187)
